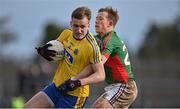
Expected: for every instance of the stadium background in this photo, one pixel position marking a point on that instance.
(153, 39)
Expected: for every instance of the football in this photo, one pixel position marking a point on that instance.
(58, 47)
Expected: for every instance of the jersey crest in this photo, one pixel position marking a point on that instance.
(68, 57)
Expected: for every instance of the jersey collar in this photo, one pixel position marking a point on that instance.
(105, 35)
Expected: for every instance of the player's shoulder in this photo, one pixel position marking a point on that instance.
(92, 42)
(116, 37)
(90, 37)
(67, 30)
(89, 33)
(65, 34)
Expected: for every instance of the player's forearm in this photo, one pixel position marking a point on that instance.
(95, 77)
(85, 72)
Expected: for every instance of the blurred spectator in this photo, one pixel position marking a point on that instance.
(17, 102)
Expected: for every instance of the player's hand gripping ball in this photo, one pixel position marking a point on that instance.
(58, 47)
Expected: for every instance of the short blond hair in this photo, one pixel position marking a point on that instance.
(81, 12)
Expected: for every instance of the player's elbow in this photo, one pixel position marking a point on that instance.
(101, 77)
(102, 74)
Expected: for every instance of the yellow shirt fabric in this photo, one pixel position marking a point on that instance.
(78, 54)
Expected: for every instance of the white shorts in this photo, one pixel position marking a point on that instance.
(121, 95)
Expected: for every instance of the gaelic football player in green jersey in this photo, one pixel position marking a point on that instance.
(122, 90)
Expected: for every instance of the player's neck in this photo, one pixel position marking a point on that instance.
(106, 32)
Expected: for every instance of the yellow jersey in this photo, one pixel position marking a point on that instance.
(78, 54)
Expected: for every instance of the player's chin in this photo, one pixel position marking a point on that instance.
(80, 36)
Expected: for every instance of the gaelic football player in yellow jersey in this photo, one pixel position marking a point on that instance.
(81, 50)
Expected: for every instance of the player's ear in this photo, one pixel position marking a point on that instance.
(110, 23)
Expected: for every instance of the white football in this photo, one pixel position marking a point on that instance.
(58, 47)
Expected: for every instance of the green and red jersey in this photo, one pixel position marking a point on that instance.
(117, 66)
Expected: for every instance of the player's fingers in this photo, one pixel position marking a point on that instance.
(49, 58)
(51, 51)
(51, 54)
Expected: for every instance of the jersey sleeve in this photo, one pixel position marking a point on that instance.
(95, 56)
(108, 49)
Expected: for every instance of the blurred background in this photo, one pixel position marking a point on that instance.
(150, 28)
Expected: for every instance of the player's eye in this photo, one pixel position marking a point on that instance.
(83, 26)
(74, 25)
(100, 18)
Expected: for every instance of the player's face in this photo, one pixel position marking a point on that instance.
(102, 23)
(80, 27)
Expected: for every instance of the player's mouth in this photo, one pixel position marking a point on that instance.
(79, 35)
(96, 26)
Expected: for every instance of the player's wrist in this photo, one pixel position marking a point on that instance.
(78, 81)
(73, 78)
